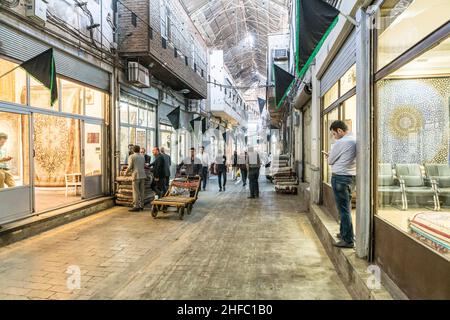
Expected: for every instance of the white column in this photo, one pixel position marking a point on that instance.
(316, 183)
(363, 133)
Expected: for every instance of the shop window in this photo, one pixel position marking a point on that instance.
(93, 149)
(331, 96)
(14, 150)
(123, 112)
(328, 140)
(72, 97)
(96, 102)
(349, 114)
(141, 137)
(133, 115)
(13, 86)
(132, 136)
(150, 141)
(403, 24)
(413, 147)
(143, 117)
(40, 96)
(124, 141)
(348, 80)
(152, 118)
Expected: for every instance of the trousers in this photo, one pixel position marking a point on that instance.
(244, 174)
(253, 177)
(204, 175)
(139, 193)
(222, 174)
(342, 189)
(6, 178)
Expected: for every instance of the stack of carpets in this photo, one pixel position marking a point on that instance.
(284, 177)
(124, 193)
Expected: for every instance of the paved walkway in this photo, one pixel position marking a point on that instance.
(230, 247)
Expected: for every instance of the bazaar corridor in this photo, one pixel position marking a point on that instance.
(230, 247)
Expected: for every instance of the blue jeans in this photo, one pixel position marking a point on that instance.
(342, 188)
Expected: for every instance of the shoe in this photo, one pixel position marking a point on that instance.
(134, 210)
(338, 235)
(244, 184)
(251, 197)
(223, 188)
(220, 190)
(343, 244)
(141, 209)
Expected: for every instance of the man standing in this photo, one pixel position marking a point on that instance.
(192, 164)
(243, 168)
(221, 169)
(204, 158)
(5, 176)
(342, 159)
(167, 165)
(147, 158)
(235, 165)
(136, 163)
(159, 172)
(253, 167)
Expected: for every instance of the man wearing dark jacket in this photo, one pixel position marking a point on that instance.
(167, 164)
(159, 172)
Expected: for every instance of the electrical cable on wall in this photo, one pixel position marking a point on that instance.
(9, 3)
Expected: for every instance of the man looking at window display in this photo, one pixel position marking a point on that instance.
(342, 159)
(5, 176)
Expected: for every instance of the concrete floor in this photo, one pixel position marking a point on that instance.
(230, 247)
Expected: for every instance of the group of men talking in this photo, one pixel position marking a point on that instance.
(194, 165)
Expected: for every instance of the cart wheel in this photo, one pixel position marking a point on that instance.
(181, 213)
(189, 208)
(154, 211)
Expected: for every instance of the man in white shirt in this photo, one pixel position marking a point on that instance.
(204, 158)
(342, 159)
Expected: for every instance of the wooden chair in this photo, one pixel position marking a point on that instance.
(72, 180)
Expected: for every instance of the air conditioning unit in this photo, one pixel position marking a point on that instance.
(280, 54)
(36, 10)
(138, 75)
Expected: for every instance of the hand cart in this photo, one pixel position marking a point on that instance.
(182, 194)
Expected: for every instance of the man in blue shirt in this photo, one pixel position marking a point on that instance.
(5, 176)
(342, 159)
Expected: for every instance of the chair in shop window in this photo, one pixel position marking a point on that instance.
(441, 174)
(415, 184)
(389, 185)
(73, 180)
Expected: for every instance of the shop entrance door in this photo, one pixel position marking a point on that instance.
(15, 173)
(92, 159)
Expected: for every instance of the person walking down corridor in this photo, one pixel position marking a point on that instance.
(235, 165)
(136, 164)
(192, 164)
(253, 167)
(342, 159)
(221, 169)
(5, 176)
(167, 165)
(159, 172)
(204, 158)
(243, 168)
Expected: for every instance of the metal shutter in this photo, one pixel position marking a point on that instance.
(19, 46)
(345, 58)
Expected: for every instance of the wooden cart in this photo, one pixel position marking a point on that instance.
(182, 194)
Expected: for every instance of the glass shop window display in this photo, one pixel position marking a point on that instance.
(14, 150)
(413, 103)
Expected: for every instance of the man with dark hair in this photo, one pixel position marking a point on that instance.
(167, 164)
(221, 169)
(204, 158)
(342, 159)
(253, 167)
(147, 158)
(136, 165)
(159, 172)
(192, 164)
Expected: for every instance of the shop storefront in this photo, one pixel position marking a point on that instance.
(411, 146)
(58, 153)
(338, 102)
(137, 123)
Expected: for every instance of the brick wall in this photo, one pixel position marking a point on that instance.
(140, 42)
